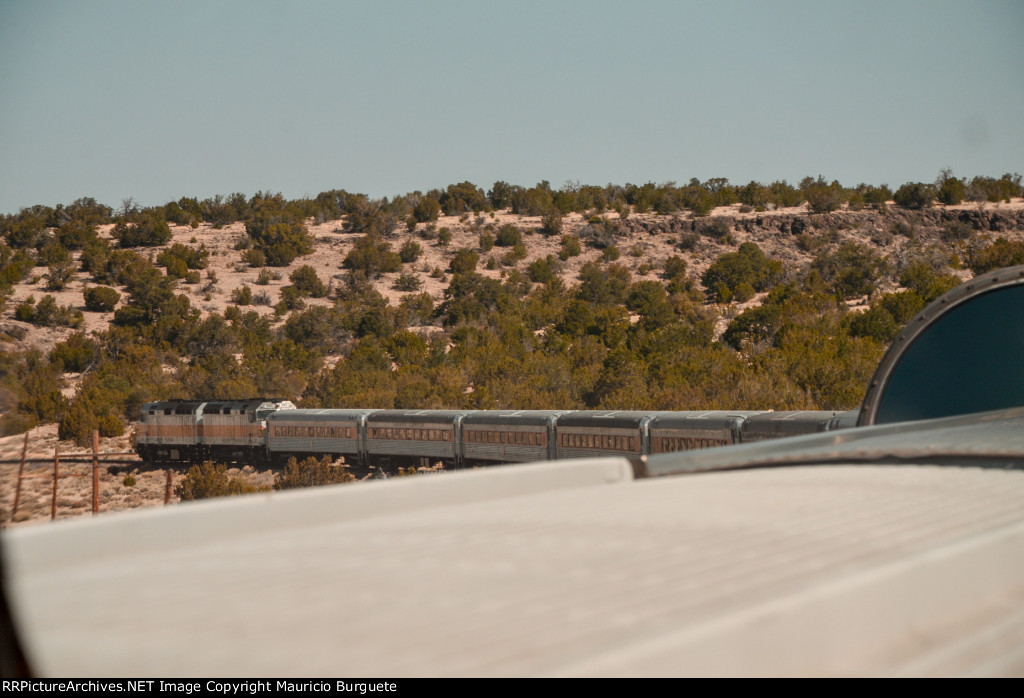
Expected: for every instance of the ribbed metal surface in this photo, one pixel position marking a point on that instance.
(505, 452)
(806, 571)
(994, 439)
(401, 447)
(306, 445)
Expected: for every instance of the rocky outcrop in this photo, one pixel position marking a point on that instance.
(925, 221)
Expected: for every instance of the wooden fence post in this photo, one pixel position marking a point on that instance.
(95, 472)
(167, 487)
(21, 470)
(56, 466)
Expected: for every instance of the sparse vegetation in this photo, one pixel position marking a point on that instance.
(311, 473)
(212, 480)
(577, 327)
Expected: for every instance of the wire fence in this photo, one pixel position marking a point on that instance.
(93, 457)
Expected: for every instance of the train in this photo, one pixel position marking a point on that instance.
(269, 431)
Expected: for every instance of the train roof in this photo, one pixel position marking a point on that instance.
(617, 419)
(306, 415)
(786, 422)
(418, 416)
(247, 405)
(176, 406)
(511, 417)
(573, 568)
(715, 419)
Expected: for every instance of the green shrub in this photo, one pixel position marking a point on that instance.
(674, 267)
(372, 256)
(305, 279)
(428, 209)
(406, 282)
(291, 299)
(551, 223)
(853, 270)
(14, 265)
(875, 323)
(311, 473)
(147, 229)
(242, 295)
(753, 326)
(192, 257)
(410, 252)
(266, 276)
(60, 274)
(570, 247)
(280, 239)
(48, 314)
(462, 198)
(444, 237)
(176, 267)
(75, 354)
(211, 480)
(1001, 253)
(26, 310)
(83, 417)
(948, 189)
(914, 195)
(486, 241)
(603, 285)
(718, 228)
(743, 292)
(76, 234)
(254, 258)
(748, 265)
(514, 256)
(464, 260)
(543, 271)
(822, 197)
(508, 236)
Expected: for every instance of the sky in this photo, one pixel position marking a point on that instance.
(159, 100)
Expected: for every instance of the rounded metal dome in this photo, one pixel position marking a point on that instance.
(963, 353)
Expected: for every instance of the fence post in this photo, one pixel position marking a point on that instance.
(56, 465)
(21, 469)
(95, 472)
(167, 488)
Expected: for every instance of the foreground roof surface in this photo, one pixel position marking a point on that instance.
(567, 568)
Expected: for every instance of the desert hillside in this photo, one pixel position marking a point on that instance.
(617, 307)
(643, 242)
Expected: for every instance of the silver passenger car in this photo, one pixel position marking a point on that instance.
(304, 433)
(688, 431)
(590, 434)
(415, 437)
(509, 436)
(776, 425)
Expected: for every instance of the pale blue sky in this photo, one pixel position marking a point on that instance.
(113, 99)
